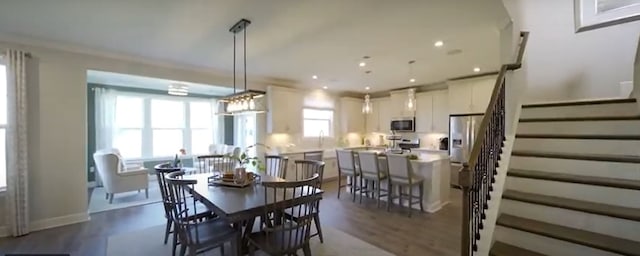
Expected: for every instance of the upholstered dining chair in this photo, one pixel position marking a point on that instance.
(401, 175)
(196, 235)
(161, 171)
(116, 178)
(347, 168)
(276, 166)
(372, 171)
(280, 235)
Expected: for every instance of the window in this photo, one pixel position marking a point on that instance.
(3, 126)
(149, 126)
(317, 122)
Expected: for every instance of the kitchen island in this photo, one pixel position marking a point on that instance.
(435, 169)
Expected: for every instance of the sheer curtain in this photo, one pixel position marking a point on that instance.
(17, 164)
(105, 108)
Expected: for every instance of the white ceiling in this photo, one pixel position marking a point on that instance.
(142, 82)
(288, 41)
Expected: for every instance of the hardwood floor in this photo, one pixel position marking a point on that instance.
(422, 234)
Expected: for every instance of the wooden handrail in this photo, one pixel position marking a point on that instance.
(473, 157)
(478, 175)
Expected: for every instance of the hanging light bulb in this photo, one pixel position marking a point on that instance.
(245, 104)
(412, 79)
(411, 100)
(252, 104)
(366, 106)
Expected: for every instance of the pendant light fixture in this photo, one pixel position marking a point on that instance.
(241, 102)
(410, 104)
(366, 105)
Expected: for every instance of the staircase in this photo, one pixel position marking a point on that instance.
(573, 184)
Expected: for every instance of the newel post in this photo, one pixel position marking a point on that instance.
(464, 179)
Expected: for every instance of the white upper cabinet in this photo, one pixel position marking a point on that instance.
(385, 114)
(351, 117)
(424, 112)
(373, 118)
(398, 103)
(284, 110)
(440, 111)
(432, 112)
(470, 95)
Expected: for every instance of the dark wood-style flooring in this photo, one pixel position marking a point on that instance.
(422, 234)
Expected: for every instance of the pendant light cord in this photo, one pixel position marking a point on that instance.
(245, 58)
(234, 63)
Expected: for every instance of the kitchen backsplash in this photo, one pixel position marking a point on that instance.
(282, 142)
(427, 140)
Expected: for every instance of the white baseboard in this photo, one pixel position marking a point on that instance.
(59, 221)
(436, 206)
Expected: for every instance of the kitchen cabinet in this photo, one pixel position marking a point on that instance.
(284, 110)
(373, 118)
(351, 117)
(470, 95)
(398, 103)
(291, 165)
(330, 168)
(432, 112)
(384, 115)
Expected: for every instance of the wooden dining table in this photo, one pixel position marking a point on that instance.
(239, 206)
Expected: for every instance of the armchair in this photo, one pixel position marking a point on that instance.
(116, 178)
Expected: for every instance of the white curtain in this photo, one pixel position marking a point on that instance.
(17, 164)
(105, 109)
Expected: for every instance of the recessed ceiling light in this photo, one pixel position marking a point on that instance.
(412, 80)
(325, 87)
(476, 69)
(438, 44)
(362, 64)
(367, 88)
(314, 77)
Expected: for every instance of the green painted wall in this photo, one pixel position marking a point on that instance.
(91, 139)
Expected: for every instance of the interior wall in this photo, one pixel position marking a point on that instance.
(562, 64)
(58, 125)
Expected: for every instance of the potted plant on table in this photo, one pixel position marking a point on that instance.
(244, 160)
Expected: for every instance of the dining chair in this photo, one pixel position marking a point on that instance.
(347, 168)
(306, 169)
(161, 171)
(215, 163)
(276, 166)
(281, 235)
(196, 235)
(371, 170)
(401, 175)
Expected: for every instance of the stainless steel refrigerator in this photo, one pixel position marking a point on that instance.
(463, 130)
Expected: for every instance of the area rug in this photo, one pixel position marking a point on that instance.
(149, 242)
(98, 203)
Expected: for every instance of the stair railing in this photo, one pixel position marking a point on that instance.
(478, 175)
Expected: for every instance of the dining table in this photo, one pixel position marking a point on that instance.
(238, 205)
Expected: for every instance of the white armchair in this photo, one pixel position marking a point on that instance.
(116, 178)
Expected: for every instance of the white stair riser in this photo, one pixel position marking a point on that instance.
(589, 193)
(620, 109)
(578, 167)
(601, 224)
(545, 245)
(610, 147)
(627, 127)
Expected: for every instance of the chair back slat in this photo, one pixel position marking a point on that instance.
(399, 166)
(161, 171)
(216, 163)
(306, 169)
(293, 197)
(276, 166)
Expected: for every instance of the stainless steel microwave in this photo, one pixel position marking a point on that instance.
(403, 124)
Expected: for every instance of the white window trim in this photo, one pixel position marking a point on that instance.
(3, 189)
(331, 122)
(147, 129)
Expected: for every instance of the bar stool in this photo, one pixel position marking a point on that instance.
(347, 168)
(371, 170)
(401, 175)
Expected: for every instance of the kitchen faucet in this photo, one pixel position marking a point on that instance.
(320, 138)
